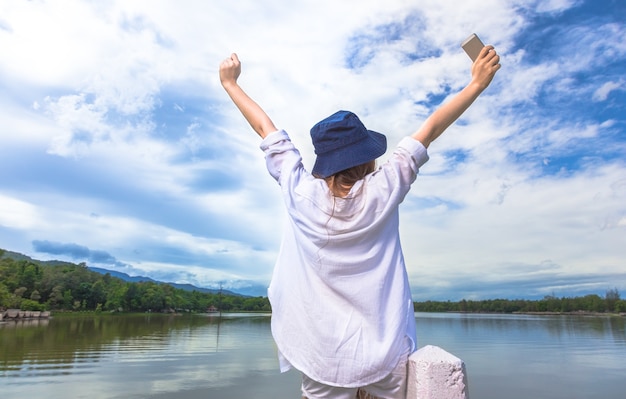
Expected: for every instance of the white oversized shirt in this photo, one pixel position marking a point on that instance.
(341, 303)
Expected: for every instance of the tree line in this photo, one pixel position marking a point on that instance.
(31, 285)
(593, 303)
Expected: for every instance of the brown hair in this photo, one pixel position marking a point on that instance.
(341, 182)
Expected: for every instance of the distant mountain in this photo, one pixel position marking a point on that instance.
(138, 279)
(19, 256)
(132, 279)
(123, 276)
(254, 290)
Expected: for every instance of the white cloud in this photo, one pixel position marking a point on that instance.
(555, 5)
(17, 214)
(124, 97)
(603, 92)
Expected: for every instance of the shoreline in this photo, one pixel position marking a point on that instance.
(573, 313)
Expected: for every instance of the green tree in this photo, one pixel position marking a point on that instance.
(97, 295)
(4, 296)
(611, 298)
(83, 293)
(152, 298)
(55, 299)
(35, 296)
(115, 296)
(68, 299)
(28, 304)
(593, 303)
(19, 292)
(133, 297)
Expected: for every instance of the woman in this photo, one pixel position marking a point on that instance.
(342, 312)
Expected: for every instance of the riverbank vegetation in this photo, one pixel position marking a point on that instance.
(31, 285)
(62, 286)
(593, 303)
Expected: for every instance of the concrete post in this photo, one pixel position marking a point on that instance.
(436, 374)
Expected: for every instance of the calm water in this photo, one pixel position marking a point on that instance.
(201, 356)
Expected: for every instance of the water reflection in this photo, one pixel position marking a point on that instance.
(550, 326)
(159, 356)
(74, 343)
(132, 356)
(524, 356)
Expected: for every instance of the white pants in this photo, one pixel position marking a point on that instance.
(391, 387)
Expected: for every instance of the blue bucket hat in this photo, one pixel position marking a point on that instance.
(341, 141)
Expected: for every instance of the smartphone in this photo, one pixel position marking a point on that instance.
(472, 46)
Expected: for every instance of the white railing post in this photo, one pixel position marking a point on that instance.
(436, 374)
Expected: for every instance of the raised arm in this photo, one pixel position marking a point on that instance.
(230, 69)
(483, 71)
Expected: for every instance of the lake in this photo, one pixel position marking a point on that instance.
(233, 356)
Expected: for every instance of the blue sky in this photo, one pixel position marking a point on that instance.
(119, 148)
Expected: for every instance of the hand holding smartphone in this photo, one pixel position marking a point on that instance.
(472, 46)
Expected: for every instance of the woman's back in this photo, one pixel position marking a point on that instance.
(340, 295)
